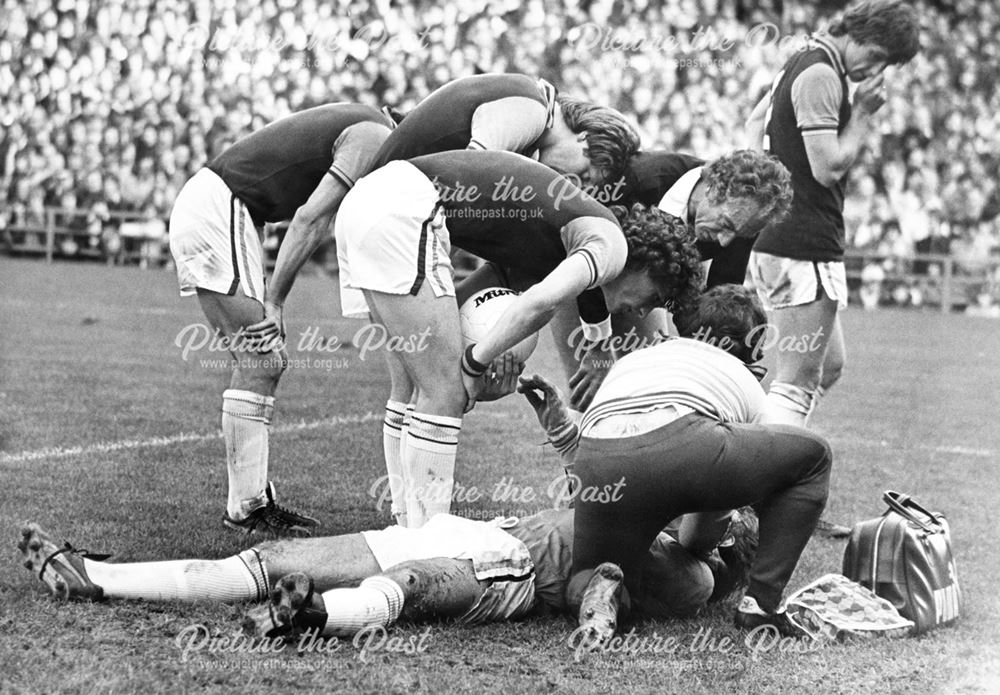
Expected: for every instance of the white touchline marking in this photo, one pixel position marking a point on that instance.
(936, 448)
(183, 438)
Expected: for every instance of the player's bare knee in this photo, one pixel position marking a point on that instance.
(443, 396)
(439, 587)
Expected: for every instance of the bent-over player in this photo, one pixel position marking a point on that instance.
(394, 234)
(298, 167)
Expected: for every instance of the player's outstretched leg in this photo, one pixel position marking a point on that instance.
(60, 569)
(293, 606)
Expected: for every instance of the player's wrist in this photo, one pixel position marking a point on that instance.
(470, 365)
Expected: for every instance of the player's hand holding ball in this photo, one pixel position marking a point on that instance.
(501, 378)
(477, 316)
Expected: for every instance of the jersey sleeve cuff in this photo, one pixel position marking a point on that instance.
(341, 175)
(593, 332)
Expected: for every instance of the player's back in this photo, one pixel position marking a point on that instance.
(274, 170)
(684, 372)
(443, 120)
(650, 175)
(506, 208)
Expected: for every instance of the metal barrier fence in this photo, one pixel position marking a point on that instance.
(126, 237)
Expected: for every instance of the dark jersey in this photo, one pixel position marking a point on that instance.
(489, 112)
(648, 178)
(274, 170)
(677, 583)
(814, 227)
(521, 214)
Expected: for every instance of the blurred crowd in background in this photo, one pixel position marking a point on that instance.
(110, 106)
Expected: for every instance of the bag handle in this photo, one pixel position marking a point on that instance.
(902, 505)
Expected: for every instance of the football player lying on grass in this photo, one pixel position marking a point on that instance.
(673, 427)
(473, 571)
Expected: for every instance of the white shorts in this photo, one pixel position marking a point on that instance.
(497, 557)
(213, 240)
(784, 282)
(392, 238)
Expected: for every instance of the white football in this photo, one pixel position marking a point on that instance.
(482, 310)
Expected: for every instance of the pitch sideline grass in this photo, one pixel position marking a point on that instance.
(90, 356)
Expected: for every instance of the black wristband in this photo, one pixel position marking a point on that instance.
(469, 364)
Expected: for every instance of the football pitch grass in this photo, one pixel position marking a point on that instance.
(109, 438)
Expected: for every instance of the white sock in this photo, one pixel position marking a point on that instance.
(241, 577)
(246, 418)
(788, 404)
(430, 444)
(378, 601)
(392, 434)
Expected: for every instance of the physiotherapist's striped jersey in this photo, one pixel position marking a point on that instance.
(485, 112)
(274, 170)
(679, 372)
(809, 97)
(666, 180)
(520, 214)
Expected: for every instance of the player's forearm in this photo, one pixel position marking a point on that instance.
(849, 145)
(755, 134)
(304, 236)
(524, 317)
(754, 127)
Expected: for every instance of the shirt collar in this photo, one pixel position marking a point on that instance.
(675, 201)
(824, 42)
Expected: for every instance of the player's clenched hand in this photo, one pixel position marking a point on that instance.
(271, 328)
(589, 376)
(870, 95)
(501, 378)
(544, 397)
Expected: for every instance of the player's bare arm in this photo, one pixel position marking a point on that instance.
(831, 155)
(309, 227)
(533, 309)
(755, 124)
(512, 124)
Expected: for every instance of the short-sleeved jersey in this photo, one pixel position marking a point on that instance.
(548, 536)
(679, 372)
(683, 582)
(488, 112)
(809, 95)
(274, 170)
(649, 178)
(520, 214)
